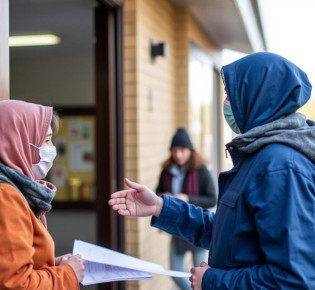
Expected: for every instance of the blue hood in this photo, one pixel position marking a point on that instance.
(264, 87)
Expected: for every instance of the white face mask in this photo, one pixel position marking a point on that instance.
(47, 155)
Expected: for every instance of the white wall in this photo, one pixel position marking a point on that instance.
(59, 81)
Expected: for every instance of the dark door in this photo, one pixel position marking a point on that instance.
(109, 124)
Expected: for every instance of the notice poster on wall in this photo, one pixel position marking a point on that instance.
(81, 156)
(73, 169)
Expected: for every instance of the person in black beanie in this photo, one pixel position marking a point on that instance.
(185, 176)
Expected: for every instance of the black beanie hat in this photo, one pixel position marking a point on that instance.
(181, 139)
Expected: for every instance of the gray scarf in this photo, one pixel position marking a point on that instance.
(38, 196)
(293, 130)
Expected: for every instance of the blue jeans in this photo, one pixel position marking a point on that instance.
(177, 259)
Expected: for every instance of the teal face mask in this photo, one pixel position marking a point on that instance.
(229, 118)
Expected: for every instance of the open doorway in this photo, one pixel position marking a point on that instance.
(81, 76)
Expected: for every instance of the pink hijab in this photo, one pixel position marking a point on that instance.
(22, 123)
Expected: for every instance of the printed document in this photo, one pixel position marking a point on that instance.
(105, 265)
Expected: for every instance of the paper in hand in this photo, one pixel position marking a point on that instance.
(104, 265)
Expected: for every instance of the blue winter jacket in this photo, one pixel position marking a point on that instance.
(262, 235)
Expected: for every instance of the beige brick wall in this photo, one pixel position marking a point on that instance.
(130, 90)
(156, 102)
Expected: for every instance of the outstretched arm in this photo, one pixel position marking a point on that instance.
(137, 201)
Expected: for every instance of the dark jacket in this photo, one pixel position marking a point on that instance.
(206, 196)
(263, 233)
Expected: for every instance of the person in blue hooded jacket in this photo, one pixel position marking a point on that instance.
(262, 235)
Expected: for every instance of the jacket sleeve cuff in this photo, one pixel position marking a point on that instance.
(164, 220)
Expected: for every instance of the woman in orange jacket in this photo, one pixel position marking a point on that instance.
(26, 247)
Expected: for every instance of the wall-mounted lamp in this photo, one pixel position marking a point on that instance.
(158, 49)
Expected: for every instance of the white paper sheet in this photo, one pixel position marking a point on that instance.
(101, 273)
(104, 265)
